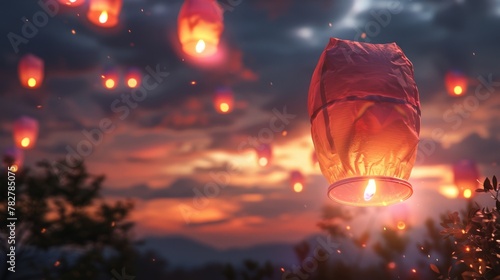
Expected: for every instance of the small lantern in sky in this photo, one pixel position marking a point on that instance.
(30, 70)
(25, 132)
(456, 83)
(264, 155)
(365, 116)
(297, 181)
(465, 178)
(104, 13)
(224, 100)
(72, 3)
(110, 79)
(200, 25)
(400, 216)
(13, 157)
(133, 78)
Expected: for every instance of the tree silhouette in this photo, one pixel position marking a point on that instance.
(61, 211)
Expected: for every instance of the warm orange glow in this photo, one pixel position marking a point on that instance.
(263, 161)
(370, 189)
(450, 191)
(457, 90)
(104, 13)
(31, 71)
(31, 82)
(467, 249)
(110, 83)
(25, 142)
(72, 3)
(103, 17)
(401, 225)
(224, 107)
(456, 83)
(200, 46)
(132, 83)
(467, 193)
(14, 168)
(298, 187)
(391, 265)
(200, 24)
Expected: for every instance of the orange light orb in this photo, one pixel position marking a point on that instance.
(133, 78)
(467, 193)
(132, 83)
(200, 25)
(457, 90)
(297, 187)
(456, 83)
(297, 181)
(31, 71)
(224, 107)
(401, 225)
(223, 100)
(263, 161)
(110, 83)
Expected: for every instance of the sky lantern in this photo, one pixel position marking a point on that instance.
(297, 181)
(104, 13)
(456, 83)
(224, 100)
(25, 132)
(133, 78)
(365, 122)
(465, 178)
(264, 155)
(110, 79)
(13, 157)
(72, 3)
(200, 25)
(31, 70)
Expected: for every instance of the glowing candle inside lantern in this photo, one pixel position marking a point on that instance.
(110, 83)
(263, 161)
(224, 107)
(103, 18)
(200, 46)
(370, 189)
(132, 83)
(467, 193)
(297, 187)
(14, 168)
(457, 90)
(401, 225)
(31, 82)
(25, 142)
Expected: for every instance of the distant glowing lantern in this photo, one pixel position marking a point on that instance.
(224, 100)
(456, 83)
(31, 70)
(104, 13)
(365, 116)
(14, 158)
(110, 79)
(264, 155)
(200, 26)
(133, 78)
(297, 181)
(25, 132)
(72, 3)
(466, 176)
(400, 216)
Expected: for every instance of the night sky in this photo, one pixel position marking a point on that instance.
(167, 148)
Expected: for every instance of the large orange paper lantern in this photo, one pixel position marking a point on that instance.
(365, 115)
(224, 100)
(297, 181)
(465, 178)
(264, 155)
(133, 78)
(25, 132)
(72, 3)
(30, 70)
(14, 158)
(456, 83)
(104, 13)
(200, 25)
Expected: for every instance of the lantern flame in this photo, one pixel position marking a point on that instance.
(298, 187)
(14, 168)
(25, 142)
(31, 82)
(224, 107)
(467, 193)
(457, 90)
(110, 83)
(200, 46)
(263, 161)
(401, 225)
(103, 18)
(370, 189)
